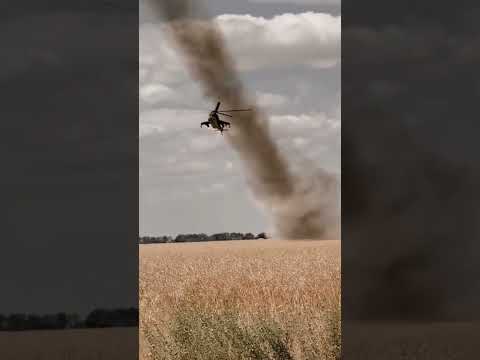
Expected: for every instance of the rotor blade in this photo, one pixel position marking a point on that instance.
(237, 110)
(224, 114)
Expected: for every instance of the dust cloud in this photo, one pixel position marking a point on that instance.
(301, 206)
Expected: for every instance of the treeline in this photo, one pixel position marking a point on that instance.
(98, 318)
(181, 238)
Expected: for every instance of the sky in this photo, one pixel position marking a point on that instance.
(288, 55)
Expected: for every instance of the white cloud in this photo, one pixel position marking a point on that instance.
(205, 142)
(310, 121)
(197, 166)
(158, 60)
(309, 38)
(270, 100)
(171, 159)
(315, 136)
(166, 119)
(228, 166)
(300, 141)
(154, 93)
(215, 187)
(298, 2)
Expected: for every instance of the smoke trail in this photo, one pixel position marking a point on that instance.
(300, 207)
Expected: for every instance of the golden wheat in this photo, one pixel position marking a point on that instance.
(296, 284)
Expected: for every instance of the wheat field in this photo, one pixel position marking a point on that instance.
(79, 344)
(260, 299)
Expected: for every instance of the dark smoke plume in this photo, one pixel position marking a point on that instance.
(410, 173)
(300, 207)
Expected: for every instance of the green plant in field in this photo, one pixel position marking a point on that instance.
(334, 334)
(200, 335)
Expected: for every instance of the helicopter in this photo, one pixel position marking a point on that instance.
(214, 120)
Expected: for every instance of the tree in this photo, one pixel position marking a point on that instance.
(17, 322)
(61, 321)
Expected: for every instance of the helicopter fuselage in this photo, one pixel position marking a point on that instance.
(214, 120)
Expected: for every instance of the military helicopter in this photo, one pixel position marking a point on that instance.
(215, 121)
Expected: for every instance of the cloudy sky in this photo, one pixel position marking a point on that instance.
(288, 54)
